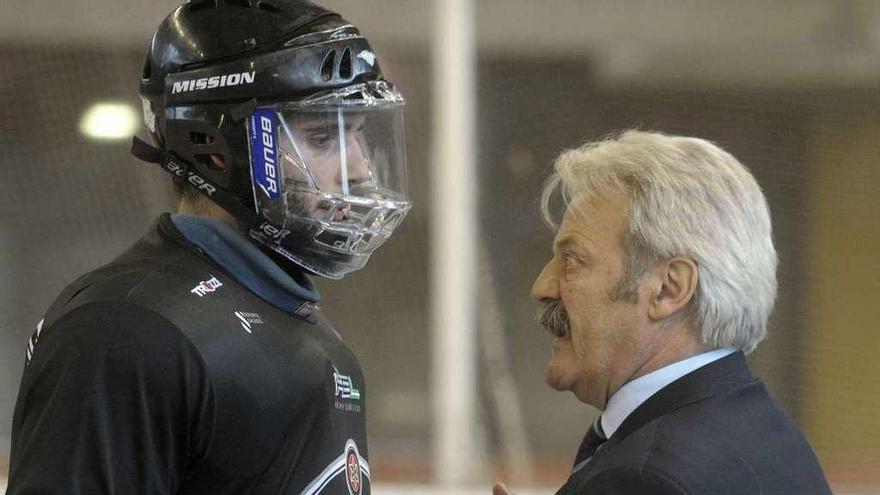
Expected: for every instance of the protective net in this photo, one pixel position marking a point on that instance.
(69, 204)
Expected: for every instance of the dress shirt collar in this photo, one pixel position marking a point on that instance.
(631, 395)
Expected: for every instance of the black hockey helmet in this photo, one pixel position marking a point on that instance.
(277, 110)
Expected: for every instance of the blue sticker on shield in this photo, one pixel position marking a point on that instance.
(264, 152)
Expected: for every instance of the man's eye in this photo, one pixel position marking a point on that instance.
(320, 140)
(570, 260)
(293, 184)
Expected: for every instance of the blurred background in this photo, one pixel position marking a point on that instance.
(792, 88)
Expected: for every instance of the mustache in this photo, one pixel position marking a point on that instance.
(553, 317)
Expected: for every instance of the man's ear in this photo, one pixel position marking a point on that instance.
(677, 280)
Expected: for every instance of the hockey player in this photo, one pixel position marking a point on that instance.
(198, 361)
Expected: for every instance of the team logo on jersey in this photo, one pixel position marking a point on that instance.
(350, 464)
(346, 396)
(247, 320)
(206, 287)
(353, 479)
(345, 388)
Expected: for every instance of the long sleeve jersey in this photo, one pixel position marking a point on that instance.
(161, 373)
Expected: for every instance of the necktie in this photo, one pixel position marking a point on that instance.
(590, 444)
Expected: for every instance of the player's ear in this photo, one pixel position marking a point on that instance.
(218, 161)
(674, 285)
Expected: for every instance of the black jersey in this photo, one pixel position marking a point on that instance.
(160, 373)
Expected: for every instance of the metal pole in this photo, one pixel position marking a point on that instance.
(509, 419)
(454, 246)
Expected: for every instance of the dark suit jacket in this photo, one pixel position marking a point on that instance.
(714, 431)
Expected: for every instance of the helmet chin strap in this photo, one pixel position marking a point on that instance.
(255, 225)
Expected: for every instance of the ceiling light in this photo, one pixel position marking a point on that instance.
(109, 121)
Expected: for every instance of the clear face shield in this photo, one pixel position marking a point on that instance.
(331, 169)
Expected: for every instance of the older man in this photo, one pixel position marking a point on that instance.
(662, 278)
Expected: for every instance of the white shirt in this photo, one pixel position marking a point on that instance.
(631, 395)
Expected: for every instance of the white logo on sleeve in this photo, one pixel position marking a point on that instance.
(247, 320)
(32, 342)
(206, 287)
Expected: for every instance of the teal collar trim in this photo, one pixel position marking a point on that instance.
(247, 263)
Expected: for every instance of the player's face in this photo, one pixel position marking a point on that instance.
(332, 159)
(605, 344)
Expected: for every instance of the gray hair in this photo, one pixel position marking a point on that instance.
(690, 198)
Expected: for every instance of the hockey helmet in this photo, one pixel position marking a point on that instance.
(277, 110)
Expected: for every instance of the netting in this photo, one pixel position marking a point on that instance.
(68, 204)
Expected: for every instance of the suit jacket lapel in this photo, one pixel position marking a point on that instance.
(719, 376)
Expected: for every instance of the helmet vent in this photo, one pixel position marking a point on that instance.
(214, 161)
(148, 69)
(345, 64)
(269, 7)
(328, 65)
(196, 6)
(237, 3)
(200, 138)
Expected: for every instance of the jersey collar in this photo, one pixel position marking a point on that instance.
(246, 262)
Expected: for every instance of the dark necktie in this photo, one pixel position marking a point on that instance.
(590, 444)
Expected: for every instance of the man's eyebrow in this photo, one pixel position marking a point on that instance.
(567, 241)
(318, 125)
(323, 126)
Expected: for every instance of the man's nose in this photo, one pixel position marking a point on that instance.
(546, 286)
(356, 160)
